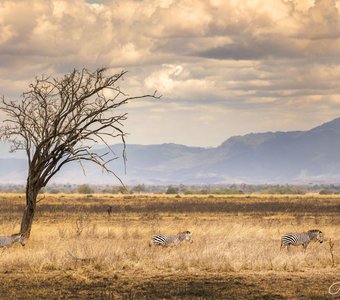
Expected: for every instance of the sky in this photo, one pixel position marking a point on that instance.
(223, 67)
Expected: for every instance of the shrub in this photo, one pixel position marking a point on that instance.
(85, 189)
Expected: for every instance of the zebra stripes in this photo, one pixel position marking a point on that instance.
(303, 238)
(7, 241)
(170, 240)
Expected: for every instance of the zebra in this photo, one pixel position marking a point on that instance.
(8, 241)
(170, 240)
(302, 238)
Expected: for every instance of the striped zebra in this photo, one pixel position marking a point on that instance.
(171, 240)
(303, 238)
(8, 241)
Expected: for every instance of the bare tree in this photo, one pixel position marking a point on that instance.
(58, 119)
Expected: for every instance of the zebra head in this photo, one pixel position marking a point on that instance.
(316, 235)
(18, 237)
(22, 240)
(185, 236)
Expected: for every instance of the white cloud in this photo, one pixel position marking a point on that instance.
(164, 79)
(214, 61)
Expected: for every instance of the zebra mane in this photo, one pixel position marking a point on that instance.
(314, 231)
(184, 232)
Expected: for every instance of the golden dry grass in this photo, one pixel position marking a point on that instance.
(223, 244)
(73, 234)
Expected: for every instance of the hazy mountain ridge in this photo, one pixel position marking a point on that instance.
(285, 157)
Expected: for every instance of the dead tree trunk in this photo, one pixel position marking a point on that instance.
(32, 192)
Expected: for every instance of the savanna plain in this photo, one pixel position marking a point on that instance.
(77, 250)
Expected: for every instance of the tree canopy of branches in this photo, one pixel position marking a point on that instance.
(58, 119)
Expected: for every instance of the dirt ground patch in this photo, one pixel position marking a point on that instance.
(81, 285)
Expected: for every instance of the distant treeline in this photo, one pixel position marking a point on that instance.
(180, 189)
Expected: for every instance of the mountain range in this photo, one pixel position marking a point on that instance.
(311, 156)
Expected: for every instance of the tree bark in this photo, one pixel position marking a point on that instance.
(28, 216)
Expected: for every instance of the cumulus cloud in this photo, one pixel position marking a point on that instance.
(178, 82)
(165, 78)
(323, 20)
(218, 63)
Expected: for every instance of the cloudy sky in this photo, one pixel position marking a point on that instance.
(224, 67)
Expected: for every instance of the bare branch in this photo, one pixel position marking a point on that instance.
(56, 117)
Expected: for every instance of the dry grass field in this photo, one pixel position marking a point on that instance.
(77, 250)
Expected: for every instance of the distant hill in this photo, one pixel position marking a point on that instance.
(270, 157)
